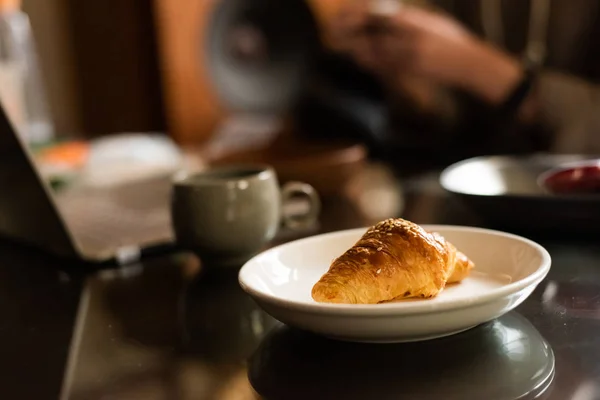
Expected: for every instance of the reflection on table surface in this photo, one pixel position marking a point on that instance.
(504, 359)
(168, 331)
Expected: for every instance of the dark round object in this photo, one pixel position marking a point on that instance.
(260, 52)
(505, 192)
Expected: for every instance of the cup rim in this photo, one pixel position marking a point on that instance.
(255, 172)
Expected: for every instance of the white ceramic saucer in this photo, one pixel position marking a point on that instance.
(508, 268)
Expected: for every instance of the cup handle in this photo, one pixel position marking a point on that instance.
(292, 189)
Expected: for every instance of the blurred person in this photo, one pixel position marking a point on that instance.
(471, 77)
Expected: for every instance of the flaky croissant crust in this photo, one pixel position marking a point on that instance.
(395, 259)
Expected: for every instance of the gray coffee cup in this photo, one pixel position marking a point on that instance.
(227, 214)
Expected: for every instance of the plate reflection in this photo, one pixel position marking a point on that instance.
(504, 359)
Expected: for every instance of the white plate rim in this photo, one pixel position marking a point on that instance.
(401, 308)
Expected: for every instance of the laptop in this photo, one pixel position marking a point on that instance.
(119, 224)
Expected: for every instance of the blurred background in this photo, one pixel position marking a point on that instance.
(113, 66)
(267, 81)
(224, 80)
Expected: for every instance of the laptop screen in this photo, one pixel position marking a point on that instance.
(27, 211)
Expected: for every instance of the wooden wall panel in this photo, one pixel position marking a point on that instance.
(99, 64)
(115, 65)
(192, 107)
(51, 33)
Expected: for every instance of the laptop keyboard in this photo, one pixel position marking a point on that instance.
(104, 221)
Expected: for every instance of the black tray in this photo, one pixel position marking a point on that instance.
(504, 191)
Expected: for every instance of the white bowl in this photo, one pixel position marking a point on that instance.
(507, 270)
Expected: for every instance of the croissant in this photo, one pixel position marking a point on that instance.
(395, 259)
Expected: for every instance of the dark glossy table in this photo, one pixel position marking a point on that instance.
(169, 329)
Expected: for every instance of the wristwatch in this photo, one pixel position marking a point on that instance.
(513, 102)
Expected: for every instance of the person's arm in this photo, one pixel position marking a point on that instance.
(566, 108)
(425, 46)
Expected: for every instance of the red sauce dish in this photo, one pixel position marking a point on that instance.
(578, 178)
